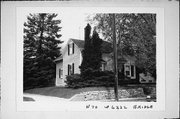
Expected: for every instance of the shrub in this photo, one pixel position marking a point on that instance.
(73, 81)
(94, 78)
(147, 90)
(127, 80)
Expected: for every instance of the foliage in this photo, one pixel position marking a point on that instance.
(73, 80)
(41, 40)
(87, 51)
(92, 54)
(136, 35)
(149, 90)
(95, 78)
(96, 51)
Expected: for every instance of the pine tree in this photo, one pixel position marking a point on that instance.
(41, 40)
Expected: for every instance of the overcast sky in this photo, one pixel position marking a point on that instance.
(72, 25)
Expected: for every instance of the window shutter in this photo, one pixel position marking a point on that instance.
(73, 48)
(68, 52)
(132, 70)
(68, 69)
(59, 73)
(73, 68)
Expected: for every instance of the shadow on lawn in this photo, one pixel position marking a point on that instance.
(28, 99)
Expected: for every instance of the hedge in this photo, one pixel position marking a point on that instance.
(95, 79)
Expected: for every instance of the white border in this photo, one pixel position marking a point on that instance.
(81, 106)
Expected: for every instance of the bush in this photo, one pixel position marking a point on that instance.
(94, 78)
(127, 80)
(73, 81)
(147, 90)
(91, 78)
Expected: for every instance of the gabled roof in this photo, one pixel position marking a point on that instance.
(79, 43)
(106, 46)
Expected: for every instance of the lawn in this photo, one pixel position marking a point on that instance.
(64, 92)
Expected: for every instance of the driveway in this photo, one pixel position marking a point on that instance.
(40, 98)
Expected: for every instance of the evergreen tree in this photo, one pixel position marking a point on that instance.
(96, 51)
(87, 51)
(41, 40)
(92, 55)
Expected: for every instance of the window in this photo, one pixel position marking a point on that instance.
(103, 66)
(70, 69)
(70, 48)
(60, 73)
(127, 70)
(130, 71)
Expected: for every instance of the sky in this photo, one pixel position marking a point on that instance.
(72, 26)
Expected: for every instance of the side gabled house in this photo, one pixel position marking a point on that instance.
(71, 59)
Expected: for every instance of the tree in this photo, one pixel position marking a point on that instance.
(96, 51)
(41, 40)
(136, 35)
(87, 51)
(92, 55)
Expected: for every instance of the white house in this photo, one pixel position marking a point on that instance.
(71, 59)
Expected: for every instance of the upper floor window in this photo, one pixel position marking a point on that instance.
(70, 48)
